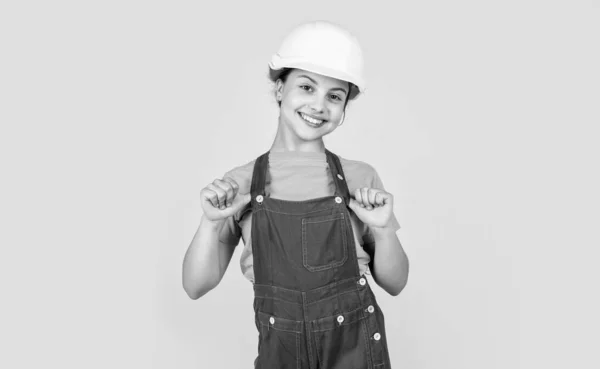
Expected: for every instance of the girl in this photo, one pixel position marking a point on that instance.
(312, 223)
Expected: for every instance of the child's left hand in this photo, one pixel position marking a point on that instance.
(372, 206)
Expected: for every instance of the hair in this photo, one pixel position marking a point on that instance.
(283, 74)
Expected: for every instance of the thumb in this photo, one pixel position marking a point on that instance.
(240, 200)
(246, 198)
(353, 204)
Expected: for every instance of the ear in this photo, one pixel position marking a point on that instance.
(279, 89)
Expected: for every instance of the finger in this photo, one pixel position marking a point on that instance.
(365, 198)
(235, 187)
(210, 196)
(379, 198)
(225, 186)
(221, 195)
(358, 197)
(372, 194)
(353, 204)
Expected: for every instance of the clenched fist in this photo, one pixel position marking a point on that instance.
(372, 206)
(220, 199)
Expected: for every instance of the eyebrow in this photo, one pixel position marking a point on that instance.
(315, 82)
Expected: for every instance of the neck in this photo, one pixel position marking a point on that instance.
(286, 140)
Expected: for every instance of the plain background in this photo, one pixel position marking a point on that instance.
(480, 117)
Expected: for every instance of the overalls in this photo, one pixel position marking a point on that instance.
(313, 309)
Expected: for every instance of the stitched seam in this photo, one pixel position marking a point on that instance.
(297, 352)
(343, 313)
(277, 329)
(335, 264)
(332, 297)
(336, 327)
(278, 299)
(308, 333)
(317, 199)
(319, 354)
(326, 218)
(337, 283)
(302, 214)
(367, 345)
(263, 318)
(380, 329)
(279, 288)
(261, 338)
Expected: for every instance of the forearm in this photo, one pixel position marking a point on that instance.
(202, 264)
(390, 263)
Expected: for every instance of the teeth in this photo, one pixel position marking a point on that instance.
(310, 120)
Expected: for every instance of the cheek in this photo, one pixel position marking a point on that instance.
(290, 102)
(337, 112)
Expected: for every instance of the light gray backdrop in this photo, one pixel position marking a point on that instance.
(481, 118)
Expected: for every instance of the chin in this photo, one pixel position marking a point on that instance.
(310, 134)
(303, 131)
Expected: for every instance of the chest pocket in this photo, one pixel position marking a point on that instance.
(324, 243)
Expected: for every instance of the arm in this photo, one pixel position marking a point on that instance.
(206, 259)
(389, 263)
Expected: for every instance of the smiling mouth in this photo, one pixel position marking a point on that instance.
(312, 121)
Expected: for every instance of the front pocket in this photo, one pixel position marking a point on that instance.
(324, 244)
(342, 345)
(279, 342)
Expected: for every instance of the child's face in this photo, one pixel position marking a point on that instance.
(312, 105)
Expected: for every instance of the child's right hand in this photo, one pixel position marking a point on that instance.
(220, 199)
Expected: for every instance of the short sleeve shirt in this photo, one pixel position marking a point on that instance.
(299, 176)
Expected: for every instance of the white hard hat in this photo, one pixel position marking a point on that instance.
(324, 48)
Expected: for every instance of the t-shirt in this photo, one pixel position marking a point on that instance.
(299, 176)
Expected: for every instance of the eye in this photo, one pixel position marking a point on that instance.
(306, 87)
(335, 97)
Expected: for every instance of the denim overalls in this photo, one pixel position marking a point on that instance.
(313, 309)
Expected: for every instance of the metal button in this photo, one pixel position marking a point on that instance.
(376, 336)
(338, 200)
(362, 281)
(340, 319)
(340, 177)
(259, 198)
(272, 320)
(371, 309)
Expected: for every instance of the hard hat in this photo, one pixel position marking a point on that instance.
(324, 48)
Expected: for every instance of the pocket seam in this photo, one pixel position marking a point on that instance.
(361, 326)
(263, 336)
(289, 325)
(323, 219)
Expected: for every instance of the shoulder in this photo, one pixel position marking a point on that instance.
(356, 166)
(360, 174)
(242, 175)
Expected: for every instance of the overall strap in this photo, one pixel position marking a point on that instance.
(259, 176)
(338, 176)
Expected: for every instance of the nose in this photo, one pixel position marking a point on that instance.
(317, 104)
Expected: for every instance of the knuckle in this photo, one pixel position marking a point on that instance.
(231, 182)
